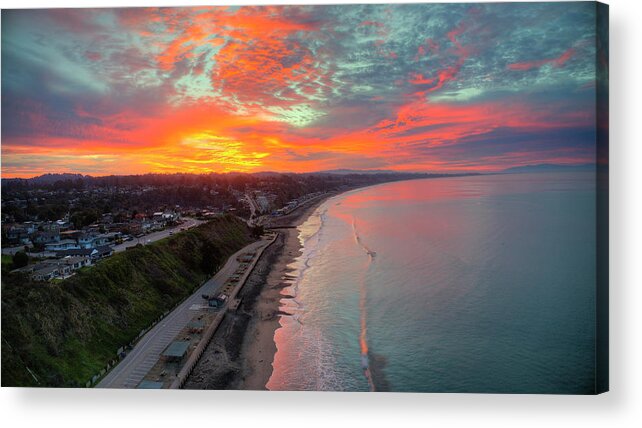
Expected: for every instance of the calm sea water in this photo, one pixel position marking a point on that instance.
(470, 284)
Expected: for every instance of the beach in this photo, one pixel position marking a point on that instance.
(241, 353)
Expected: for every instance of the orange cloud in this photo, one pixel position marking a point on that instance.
(556, 62)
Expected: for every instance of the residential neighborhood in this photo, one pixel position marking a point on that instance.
(58, 250)
(66, 222)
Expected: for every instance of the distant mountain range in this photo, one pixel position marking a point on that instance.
(355, 171)
(548, 167)
(48, 178)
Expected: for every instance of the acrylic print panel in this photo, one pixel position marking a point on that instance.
(395, 197)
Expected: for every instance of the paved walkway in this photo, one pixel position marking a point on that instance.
(131, 370)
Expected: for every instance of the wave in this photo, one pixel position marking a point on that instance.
(363, 310)
(310, 250)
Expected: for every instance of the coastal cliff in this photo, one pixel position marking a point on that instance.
(61, 334)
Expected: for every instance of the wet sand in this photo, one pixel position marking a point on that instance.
(241, 353)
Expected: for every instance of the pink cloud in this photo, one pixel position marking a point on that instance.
(556, 62)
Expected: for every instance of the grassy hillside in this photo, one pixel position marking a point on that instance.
(65, 333)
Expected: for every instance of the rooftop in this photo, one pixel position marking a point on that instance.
(176, 349)
(150, 384)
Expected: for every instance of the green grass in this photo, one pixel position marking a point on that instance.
(7, 261)
(67, 332)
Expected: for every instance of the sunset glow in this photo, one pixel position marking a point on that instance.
(297, 88)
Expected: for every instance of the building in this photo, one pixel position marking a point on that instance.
(97, 253)
(46, 237)
(18, 234)
(63, 244)
(263, 203)
(150, 384)
(86, 240)
(45, 272)
(176, 351)
(76, 262)
(101, 252)
(73, 252)
(58, 268)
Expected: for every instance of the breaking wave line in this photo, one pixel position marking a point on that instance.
(363, 335)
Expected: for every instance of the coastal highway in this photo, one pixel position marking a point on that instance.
(131, 370)
(188, 223)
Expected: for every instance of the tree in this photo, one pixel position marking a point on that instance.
(20, 259)
(257, 231)
(210, 258)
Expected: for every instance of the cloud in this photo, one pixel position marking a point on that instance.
(295, 88)
(555, 62)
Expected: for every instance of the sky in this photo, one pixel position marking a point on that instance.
(414, 87)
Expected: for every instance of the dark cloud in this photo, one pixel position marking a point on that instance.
(325, 73)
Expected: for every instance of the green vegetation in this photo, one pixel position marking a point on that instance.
(63, 334)
(7, 262)
(257, 231)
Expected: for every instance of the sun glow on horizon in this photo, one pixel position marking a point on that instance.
(423, 87)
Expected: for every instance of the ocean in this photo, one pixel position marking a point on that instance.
(466, 284)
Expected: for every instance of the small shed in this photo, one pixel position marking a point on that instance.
(176, 350)
(150, 384)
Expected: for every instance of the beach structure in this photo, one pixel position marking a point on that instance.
(176, 351)
(150, 384)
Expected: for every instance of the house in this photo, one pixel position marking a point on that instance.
(63, 244)
(30, 226)
(76, 262)
(58, 268)
(263, 203)
(18, 234)
(164, 217)
(50, 227)
(73, 252)
(97, 253)
(86, 240)
(101, 252)
(45, 272)
(170, 216)
(25, 269)
(70, 234)
(64, 224)
(109, 237)
(46, 237)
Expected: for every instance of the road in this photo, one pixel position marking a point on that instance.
(131, 370)
(188, 223)
(155, 236)
(250, 202)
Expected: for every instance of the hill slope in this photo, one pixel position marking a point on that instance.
(62, 334)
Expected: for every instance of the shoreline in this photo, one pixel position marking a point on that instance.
(259, 348)
(241, 353)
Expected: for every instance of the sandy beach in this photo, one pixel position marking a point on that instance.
(241, 353)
